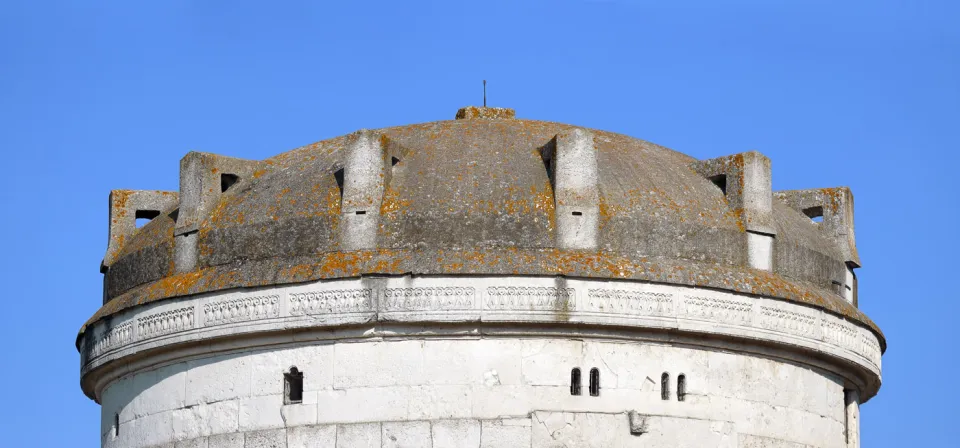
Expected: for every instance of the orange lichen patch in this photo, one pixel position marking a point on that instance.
(298, 272)
(737, 215)
(258, 173)
(179, 284)
(833, 198)
(392, 202)
(120, 199)
(119, 240)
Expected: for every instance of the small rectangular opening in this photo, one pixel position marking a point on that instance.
(144, 216)
(814, 213)
(720, 181)
(838, 287)
(227, 181)
(361, 212)
(293, 386)
(577, 213)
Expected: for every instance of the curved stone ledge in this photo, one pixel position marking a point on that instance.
(477, 302)
(532, 300)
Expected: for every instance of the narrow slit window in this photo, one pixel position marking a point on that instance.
(594, 382)
(577, 213)
(681, 387)
(838, 287)
(361, 212)
(338, 176)
(665, 386)
(227, 181)
(116, 424)
(575, 381)
(293, 386)
(547, 153)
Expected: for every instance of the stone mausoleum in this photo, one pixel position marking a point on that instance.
(482, 282)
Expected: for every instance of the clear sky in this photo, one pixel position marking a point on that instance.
(96, 96)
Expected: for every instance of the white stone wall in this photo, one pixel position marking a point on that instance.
(479, 361)
(425, 390)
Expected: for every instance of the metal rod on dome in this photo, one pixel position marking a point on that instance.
(484, 93)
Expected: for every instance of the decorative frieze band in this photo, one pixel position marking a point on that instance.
(166, 322)
(620, 301)
(737, 314)
(787, 321)
(112, 338)
(429, 299)
(331, 302)
(241, 310)
(530, 298)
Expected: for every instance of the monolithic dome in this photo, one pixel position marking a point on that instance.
(486, 281)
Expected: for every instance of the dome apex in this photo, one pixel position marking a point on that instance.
(471, 112)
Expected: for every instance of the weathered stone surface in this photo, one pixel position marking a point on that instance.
(456, 433)
(314, 436)
(645, 212)
(229, 440)
(485, 282)
(363, 435)
(505, 433)
(406, 435)
(272, 438)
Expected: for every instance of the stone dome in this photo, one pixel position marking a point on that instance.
(473, 283)
(480, 195)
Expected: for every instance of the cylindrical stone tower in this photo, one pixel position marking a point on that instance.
(482, 282)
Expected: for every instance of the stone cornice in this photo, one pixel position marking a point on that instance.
(480, 304)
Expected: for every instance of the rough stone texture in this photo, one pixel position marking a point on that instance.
(228, 440)
(364, 435)
(471, 112)
(505, 433)
(577, 198)
(438, 283)
(456, 433)
(474, 196)
(406, 435)
(316, 436)
(835, 206)
(273, 438)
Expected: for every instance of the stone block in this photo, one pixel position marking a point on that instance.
(362, 435)
(313, 436)
(272, 438)
(200, 442)
(548, 362)
(456, 433)
(315, 361)
(586, 430)
(261, 412)
(126, 206)
(433, 402)
(363, 404)
(752, 441)
(299, 414)
(217, 378)
(378, 364)
(505, 433)
(232, 440)
(406, 435)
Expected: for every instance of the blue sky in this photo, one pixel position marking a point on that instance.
(102, 95)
